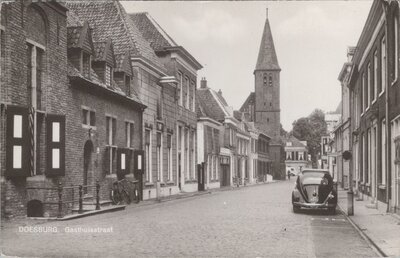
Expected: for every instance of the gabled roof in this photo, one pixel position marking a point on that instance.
(159, 39)
(152, 31)
(267, 59)
(79, 36)
(108, 19)
(295, 142)
(212, 104)
(122, 63)
(103, 51)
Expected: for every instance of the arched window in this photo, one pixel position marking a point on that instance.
(270, 80)
(265, 79)
(36, 26)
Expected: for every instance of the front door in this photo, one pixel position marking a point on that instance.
(200, 176)
(87, 158)
(225, 175)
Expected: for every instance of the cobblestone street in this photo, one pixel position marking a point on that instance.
(248, 222)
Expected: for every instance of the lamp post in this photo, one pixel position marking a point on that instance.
(350, 194)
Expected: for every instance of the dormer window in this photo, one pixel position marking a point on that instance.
(86, 64)
(128, 85)
(108, 75)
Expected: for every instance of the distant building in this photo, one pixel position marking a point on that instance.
(296, 154)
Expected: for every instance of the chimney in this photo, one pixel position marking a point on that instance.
(203, 83)
(220, 92)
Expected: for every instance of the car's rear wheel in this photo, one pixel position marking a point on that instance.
(296, 209)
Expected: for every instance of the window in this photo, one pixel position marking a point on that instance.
(363, 104)
(129, 129)
(265, 79)
(270, 80)
(108, 75)
(187, 153)
(35, 75)
(193, 161)
(147, 136)
(368, 156)
(111, 129)
(187, 92)
(88, 117)
(169, 156)
(368, 88)
(383, 65)
(180, 89)
(159, 107)
(383, 153)
(396, 47)
(159, 157)
(86, 64)
(374, 89)
(128, 85)
(193, 97)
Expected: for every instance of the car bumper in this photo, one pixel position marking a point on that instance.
(314, 206)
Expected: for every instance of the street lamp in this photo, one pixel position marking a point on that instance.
(350, 194)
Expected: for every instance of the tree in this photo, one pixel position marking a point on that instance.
(283, 131)
(311, 129)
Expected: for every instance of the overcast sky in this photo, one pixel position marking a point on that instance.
(311, 40)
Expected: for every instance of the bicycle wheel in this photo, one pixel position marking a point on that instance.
(125, 196)
(115, 197)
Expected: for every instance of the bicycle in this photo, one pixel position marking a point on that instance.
(124, 191)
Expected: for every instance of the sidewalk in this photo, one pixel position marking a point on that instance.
(379, 228)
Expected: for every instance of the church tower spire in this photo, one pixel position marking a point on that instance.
(267, 86)
(267, 59)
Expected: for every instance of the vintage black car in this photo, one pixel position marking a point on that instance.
(314, 189)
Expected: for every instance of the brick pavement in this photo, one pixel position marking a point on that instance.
(248, 222)
(382, 229)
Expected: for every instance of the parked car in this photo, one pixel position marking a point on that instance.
(314, 189)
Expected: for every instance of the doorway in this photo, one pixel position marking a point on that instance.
(87, 163)
(179, 171)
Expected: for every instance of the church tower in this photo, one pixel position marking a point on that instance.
(267, 86)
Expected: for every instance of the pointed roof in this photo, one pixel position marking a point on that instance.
(212, 104)
(267, 59)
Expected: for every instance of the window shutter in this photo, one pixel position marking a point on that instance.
(121, 163)
(55, 129)
(17, 142)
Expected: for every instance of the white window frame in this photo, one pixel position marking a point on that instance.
(375, 75)
(368, 86)
(169, 157)
(383, 65)
(180, 81)
(148, 150)
(187, 84)
(383, 152)
(159, 151)
(129, 125)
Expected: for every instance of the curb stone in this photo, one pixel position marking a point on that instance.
(364, 235)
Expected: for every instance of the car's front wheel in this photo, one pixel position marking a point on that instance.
(296, 209)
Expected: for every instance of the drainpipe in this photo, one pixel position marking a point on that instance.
(387, 127)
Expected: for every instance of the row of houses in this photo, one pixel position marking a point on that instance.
(90, 95)
(369, 128)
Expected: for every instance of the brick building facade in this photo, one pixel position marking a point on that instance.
(374, 94)
(68, 109)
